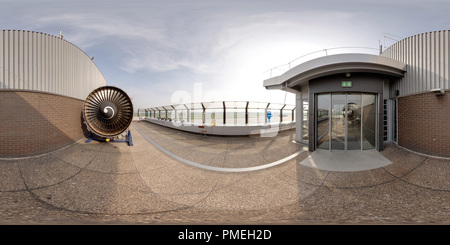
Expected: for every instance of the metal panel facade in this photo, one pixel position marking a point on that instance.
(427, 59)
(42, 62)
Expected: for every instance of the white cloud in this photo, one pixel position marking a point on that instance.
(202, 40)
(89, 29)
(158, 44)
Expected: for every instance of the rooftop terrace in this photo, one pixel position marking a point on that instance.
(151, 183)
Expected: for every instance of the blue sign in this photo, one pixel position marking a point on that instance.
(269, 115)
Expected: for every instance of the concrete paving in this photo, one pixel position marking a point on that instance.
(113, 183)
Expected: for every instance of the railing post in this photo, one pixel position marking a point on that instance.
(203, 114)
(246, 114)
(174, 111)
(293, 112)
(188, 115)
(281, 113)
(224, 113)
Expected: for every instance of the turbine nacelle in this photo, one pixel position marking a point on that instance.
(108, 113)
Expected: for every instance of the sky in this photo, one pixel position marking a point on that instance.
(173, 51)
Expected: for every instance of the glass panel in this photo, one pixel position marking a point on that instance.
(338, 122)
(194, 106)
(235, 117)
(369, 121)
(275, 115)
(213, 117)
(182, 115)
(256, 116)
(196, 116)
(213, 105)
(289, 107)
(287, 115)
(170, 115)
(323, 121)
(180, 107)
(354, 122)
(304, 118)
(257, 105)
(276, 106)
(235, 104)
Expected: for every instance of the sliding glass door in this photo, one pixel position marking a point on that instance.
(346, 121)
(323, 121)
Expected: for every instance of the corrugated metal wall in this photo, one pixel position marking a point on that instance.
(42, 62)
(427, 58)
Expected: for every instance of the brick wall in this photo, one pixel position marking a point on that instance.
(33, 123)
(424, 123)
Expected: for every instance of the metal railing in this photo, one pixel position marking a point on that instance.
(222, 113)
(278, 70)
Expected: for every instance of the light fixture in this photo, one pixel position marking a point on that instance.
(347, 74)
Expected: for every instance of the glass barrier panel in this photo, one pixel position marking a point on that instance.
(163, 114)
(214, 117)
(235, 112)
(235, 117)
(257, 105)
(235, 104)
(196, 117)
(275, 115)
(213, 105)
(182, 116)
(256, 117)
(195, 106)
(287, 115)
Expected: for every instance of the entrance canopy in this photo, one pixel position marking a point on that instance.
(335, 64)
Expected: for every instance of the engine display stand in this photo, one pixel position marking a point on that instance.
(128, 139)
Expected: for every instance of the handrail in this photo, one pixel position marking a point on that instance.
(248, 107)
(315, 52)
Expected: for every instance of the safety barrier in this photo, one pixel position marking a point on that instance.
(224, 117)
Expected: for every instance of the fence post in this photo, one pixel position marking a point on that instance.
(203, 114)
(246, 114)
(224, 113)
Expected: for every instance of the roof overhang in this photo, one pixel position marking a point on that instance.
(335, 64)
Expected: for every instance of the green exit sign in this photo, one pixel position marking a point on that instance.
(346, 84)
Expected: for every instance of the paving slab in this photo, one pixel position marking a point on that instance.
(152, 182)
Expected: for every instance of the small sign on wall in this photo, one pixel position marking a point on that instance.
(346, 84)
